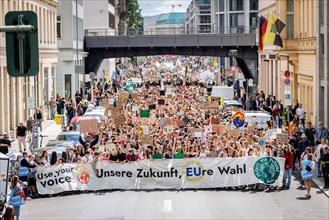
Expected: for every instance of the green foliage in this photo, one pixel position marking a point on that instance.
(134, 18)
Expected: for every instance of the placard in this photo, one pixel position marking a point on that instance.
(161, 101)
(123, 96)
(152, 107)
(235, 133)
(179, 97)
(135, 96)
(88, 125)
(134, 108)
(207, 128)
(207, 106)
(282, 138)
(147, 140)
(215, 121)
(216, 129)
(169, 96)
(143, 130)
(145, 113)
(251, 128)
(162, 122)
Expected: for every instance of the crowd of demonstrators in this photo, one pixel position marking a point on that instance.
(183, 111)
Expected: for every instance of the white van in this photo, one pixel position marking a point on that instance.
(260, 117)
(224, 91)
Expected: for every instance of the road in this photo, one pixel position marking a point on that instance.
(177, 204)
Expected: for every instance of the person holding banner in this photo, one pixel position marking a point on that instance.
(17, 196)
(288, 155)
(307, 173)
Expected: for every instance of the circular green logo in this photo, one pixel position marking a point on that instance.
(267, 169)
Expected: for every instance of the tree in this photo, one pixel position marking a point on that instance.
(134, 18)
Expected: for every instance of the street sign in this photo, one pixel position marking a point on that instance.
(287, 73)
(287, 95)
(30, 103)
(287, 81)
(22, 45)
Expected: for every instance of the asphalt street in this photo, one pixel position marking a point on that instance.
(181, 204)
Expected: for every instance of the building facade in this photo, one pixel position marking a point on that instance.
(298, 55)
(322, 67)
(198, 17)
(15, 91)
(100, 19)
(70, 37)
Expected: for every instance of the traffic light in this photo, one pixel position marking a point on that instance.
(22, 43)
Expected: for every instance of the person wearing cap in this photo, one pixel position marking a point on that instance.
(4, 144)
(325, 166)
(303, 144)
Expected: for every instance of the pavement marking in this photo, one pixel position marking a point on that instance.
(167, 206)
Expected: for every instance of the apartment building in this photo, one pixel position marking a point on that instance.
(198, 17)
(15, 91)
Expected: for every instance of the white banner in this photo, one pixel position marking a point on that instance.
(161, 174)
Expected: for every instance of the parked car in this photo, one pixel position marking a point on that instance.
(69, 136)
(75, 122)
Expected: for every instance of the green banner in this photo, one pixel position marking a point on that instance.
(145, 113)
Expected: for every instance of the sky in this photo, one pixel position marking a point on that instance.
(155, 7)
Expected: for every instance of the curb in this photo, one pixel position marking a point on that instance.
(325, 192)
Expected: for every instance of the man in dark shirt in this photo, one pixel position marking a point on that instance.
(294, 143)
(21, 133)
(4, 144)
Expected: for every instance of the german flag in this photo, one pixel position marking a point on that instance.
(273, 30)
(262, 29)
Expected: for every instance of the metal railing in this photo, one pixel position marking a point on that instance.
(203, 29)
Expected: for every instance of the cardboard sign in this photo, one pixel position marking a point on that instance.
(215, 121)
(161, 101)
(123, 96)
(134, 108)
(119, 120)
(88, 125)
(235, 133)
(110, 147)
(270, 132)
(151, 107)
(206, 106)
(135, 96)
(282, 138)
(193, 130)
(169, 96)
(145, 113)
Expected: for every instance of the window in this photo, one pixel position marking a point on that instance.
(205, 19)
(290, 19)
(45, 87)
(254, 5)
(111, 21)
(221, 24)
(205, 10)
(253, 19)
(236, 5)
(221, 5)
(80, 28)
(59, 27)
(233, 19)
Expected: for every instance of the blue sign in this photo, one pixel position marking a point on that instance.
(287, 96)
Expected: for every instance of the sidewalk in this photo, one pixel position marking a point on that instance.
(319, 182)
(50, 129)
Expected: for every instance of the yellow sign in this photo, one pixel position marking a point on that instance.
(215, 100)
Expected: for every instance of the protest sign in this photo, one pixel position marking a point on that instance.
(203, 137)
(169, 96)
(147, 140)
(193, 130)
(161, 101)
(124, 96)
(145, 113)
(261, 142)
(235, 133)
(215, 121)
(197, 134)
(134, 108)
(160, 174)
(135, 96)
(162, 93)
(151, 107)
(88, 125)
(251, 128)
(179, 97)
(207, 106)
(270, 132)
(144, 130)
(282, 138)
(180, 113)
